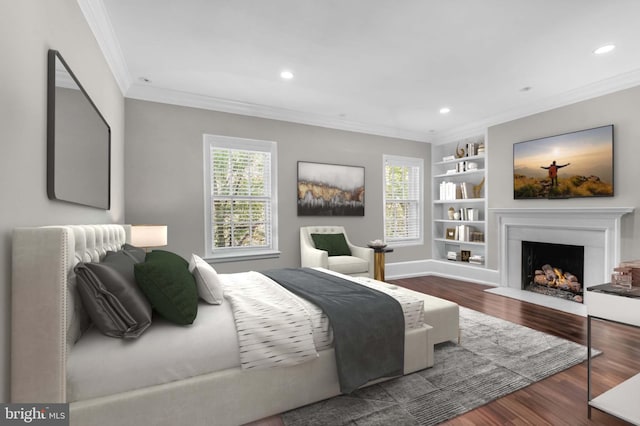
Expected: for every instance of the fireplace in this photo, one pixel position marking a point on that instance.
(553, 269)
(597, 229)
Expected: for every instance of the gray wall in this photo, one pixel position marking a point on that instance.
(28, 28)
(620, 109)
(164, 174)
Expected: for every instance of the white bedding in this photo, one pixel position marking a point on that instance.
(274, 328)
(98, 365)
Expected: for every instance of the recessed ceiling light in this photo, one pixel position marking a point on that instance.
(445, 110)
(604, 49)
(286, 75)
(526, 89)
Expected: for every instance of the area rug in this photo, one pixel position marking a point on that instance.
(495, 357)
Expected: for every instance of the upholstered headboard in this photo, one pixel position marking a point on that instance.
(46, 314)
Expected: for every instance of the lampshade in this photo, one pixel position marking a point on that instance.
(149, 235)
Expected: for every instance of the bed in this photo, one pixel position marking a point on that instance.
(45, 366)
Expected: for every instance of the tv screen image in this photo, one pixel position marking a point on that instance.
(576, 164)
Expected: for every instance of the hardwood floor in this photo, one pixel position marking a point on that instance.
(560, 399)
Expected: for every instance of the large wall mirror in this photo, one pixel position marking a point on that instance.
(78, 141)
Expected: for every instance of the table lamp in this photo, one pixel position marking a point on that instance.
(148, 236)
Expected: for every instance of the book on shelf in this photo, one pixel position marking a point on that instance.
(448, 190)
(453, 255)
(476, 259)
(468, 213)
(471, 149)
(462, 232)
(464, 191)
(455, 191)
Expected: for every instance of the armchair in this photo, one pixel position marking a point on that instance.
(360, 263)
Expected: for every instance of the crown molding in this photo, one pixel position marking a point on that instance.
(594, 90)
(474, 129)
(175, 97)
(96, 16)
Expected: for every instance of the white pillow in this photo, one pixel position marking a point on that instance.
(207, 280)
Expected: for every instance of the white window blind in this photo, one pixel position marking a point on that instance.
(403, 218)
(241, 196)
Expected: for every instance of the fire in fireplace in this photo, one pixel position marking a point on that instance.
(553, 269)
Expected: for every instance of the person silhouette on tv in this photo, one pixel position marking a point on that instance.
(553, 171)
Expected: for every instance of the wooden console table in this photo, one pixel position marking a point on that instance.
(604, 303)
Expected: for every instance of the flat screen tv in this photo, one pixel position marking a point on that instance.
(571, 165)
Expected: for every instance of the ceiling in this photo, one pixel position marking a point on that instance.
(378, 66)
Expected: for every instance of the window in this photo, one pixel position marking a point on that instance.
(403, 219)
(240, 197)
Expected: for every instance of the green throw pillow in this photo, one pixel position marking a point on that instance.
(334, 244)
(165, 279)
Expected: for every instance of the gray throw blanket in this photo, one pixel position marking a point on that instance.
(368, 326)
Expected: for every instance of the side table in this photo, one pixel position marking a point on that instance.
(378, 261)
(607, 303)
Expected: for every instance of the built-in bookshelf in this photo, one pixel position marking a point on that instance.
(459, 205)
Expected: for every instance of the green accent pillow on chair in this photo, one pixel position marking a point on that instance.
(334, 244)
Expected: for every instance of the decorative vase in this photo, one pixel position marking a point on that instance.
(451, 213)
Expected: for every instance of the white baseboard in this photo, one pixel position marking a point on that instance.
(455, 270)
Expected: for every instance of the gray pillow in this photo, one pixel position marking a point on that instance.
(111, 296)
(136, 253)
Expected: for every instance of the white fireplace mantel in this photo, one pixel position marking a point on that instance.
(596, 228)
(610, 212)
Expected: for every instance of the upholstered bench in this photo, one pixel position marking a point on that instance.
(443, 315)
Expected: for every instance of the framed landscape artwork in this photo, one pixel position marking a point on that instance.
(330, 189)
(577, 164)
